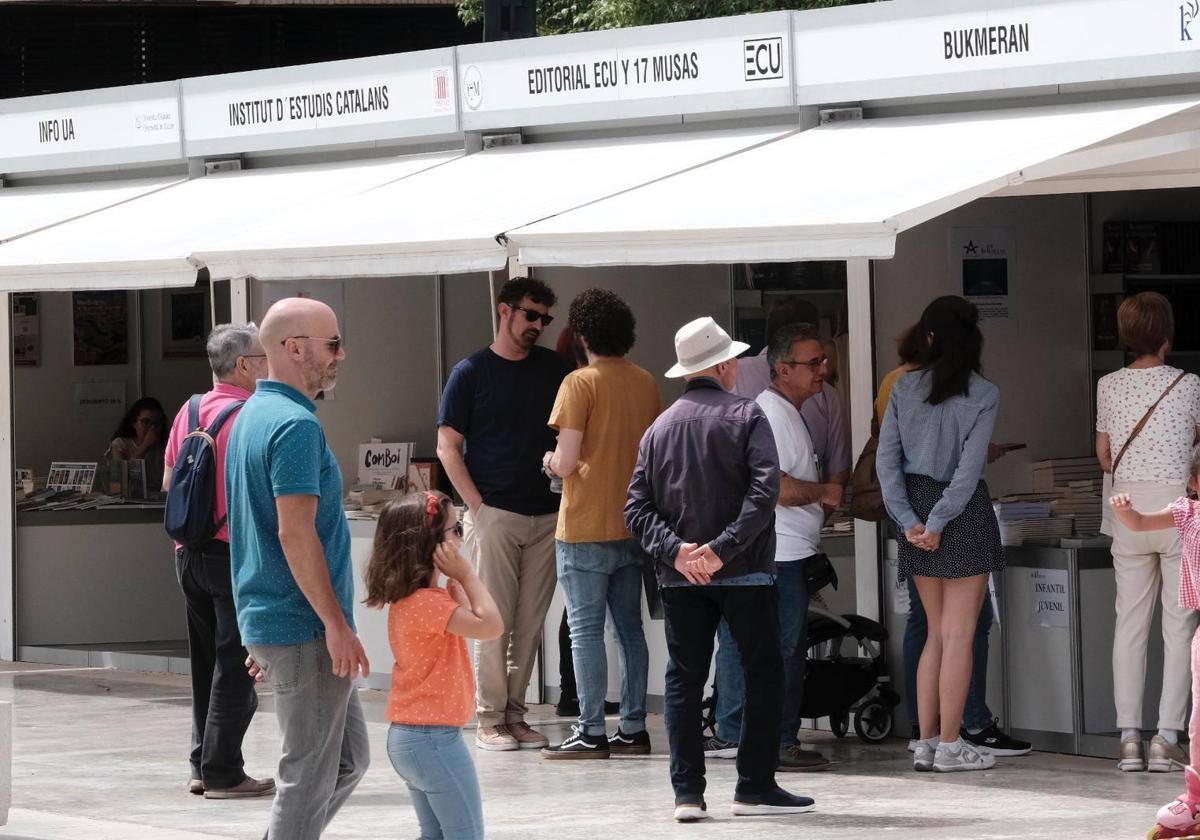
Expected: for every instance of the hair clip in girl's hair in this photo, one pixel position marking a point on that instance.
(431, 506)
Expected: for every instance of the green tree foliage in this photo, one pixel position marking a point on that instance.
(556, 17)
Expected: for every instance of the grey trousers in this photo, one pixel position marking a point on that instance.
(325, 744)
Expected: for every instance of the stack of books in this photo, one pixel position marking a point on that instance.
(1030, 517)
(1075, 487)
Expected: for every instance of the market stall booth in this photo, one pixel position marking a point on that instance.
(661, 162)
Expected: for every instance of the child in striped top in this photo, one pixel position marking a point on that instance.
(1180, 817)
(419, 537)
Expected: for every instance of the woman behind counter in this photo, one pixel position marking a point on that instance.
(141, 434)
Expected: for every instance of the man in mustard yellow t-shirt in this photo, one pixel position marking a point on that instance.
(600, 414)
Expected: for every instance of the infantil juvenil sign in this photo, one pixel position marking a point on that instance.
(696, 67)
(880, 51)
(388, 97)
(123, 125)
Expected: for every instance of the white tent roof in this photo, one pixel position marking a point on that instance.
(147, 242)
(24, 210)
(845, 189)
(446, 220)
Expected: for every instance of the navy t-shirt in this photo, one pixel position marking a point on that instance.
(501, 408)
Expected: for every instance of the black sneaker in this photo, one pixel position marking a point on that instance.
(777, 801)
(579, 746)
(714, 747)
(993, 741)
(637, 743)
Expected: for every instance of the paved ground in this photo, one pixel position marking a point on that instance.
(100, 754)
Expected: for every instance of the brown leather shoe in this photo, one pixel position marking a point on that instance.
(495, 739)
(527, 738)
(795, 760)
(244, 789)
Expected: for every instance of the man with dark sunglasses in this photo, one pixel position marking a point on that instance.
(492, 434)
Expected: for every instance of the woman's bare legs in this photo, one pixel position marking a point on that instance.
(944, 673)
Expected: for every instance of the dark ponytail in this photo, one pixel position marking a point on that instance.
(953, 348)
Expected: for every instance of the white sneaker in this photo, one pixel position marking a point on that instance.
(690, 812)
(959, 756)
(924, 753)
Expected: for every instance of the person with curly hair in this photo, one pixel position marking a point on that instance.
(600, 413)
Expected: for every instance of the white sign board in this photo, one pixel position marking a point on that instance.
(136, 124)
(984, 262)
(710, 65)
(1050, 597)
(850, 54)
(386, 97)
(384, 464)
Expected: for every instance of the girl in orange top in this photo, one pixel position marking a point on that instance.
(433, 691)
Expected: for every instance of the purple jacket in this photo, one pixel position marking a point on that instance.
(707, 472)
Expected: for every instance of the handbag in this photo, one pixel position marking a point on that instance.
(866, 496)
(1106, 518)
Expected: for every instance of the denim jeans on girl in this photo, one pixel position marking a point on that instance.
(436, 766)
(600, 577)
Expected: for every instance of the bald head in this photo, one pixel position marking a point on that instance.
(301, 339)
(296, 316)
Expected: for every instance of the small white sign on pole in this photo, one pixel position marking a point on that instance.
(1050, 596)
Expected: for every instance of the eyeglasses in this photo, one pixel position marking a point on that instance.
(335, 343)
(256, 355)
(146, 421)
(532, 315)
(457, 530)
(813, 365)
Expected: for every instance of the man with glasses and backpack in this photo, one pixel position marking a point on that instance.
(223, 698)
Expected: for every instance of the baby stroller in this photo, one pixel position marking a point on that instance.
(845, 671)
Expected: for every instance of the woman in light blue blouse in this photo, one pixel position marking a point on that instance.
(932, 454)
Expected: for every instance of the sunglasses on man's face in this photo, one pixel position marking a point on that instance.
(532, 315)
(334, 343)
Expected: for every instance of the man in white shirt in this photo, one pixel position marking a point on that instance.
(824, 412)
(798, 364)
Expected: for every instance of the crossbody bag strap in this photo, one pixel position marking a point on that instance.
(1142, 423)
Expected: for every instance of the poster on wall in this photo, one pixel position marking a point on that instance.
(101, 330)
(185, 322)
(26, 330)
(331, 294)
(985, 260)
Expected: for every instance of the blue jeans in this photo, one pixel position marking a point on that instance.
(976, 714)
(597, 577)
(792, 582)
(435, 764)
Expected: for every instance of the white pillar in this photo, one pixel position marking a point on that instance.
(8, 533)
(239, 300)
(862, 396)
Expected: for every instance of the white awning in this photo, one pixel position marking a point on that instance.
(845, 190)
(25, 210)
(447, 220)
(148, 242)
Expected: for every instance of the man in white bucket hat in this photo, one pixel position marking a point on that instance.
(702, 504)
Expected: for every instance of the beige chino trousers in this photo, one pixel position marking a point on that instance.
(1146, 565)
(514, 556)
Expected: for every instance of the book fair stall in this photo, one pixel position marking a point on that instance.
(867, 158)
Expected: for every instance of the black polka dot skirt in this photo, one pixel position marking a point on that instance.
(970, 544)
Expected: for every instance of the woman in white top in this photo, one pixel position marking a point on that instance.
(1153, 470)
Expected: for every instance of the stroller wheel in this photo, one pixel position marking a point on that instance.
(873, 722)
(839, 722)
